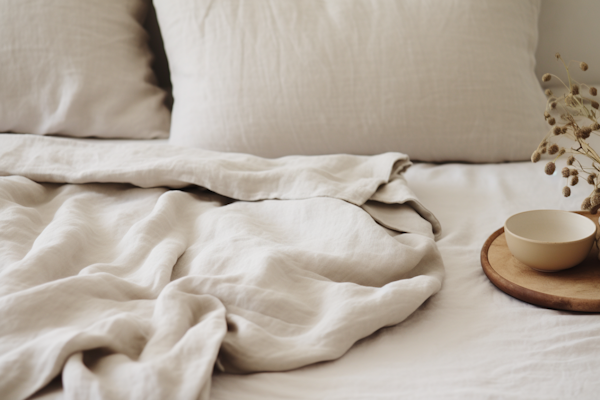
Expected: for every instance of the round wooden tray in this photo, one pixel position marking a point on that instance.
(574, 289)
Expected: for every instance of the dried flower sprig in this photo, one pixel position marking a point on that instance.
(577, 120)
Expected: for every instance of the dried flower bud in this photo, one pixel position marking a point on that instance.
(546, 77)
(574, 180)
(574, 90)
(580, 134)
(590, 178)
(593, 91)
(595, 200)
(570, 160)
(549, 169)
(566, 172)
(595, 104)
(587, 204)
(553, 149)
(561, 152)
(548, 92)
(546, 114)
(574, 172)
(557, 55)
(566, 191)
(583, 133)
(551, 121)
(543, 150)
(557, 130)
(535, 157)
(583, 66)
(553, 105)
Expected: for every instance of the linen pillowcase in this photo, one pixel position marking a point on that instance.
(78, 68)
(438, 80)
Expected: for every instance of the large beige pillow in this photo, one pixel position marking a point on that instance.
(78, 68)
(438, 80)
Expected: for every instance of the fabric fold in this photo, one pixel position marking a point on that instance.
(130, 270)
(238, 176)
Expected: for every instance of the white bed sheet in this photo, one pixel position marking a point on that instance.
(470, 341)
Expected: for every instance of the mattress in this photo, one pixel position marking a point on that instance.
(469, 341)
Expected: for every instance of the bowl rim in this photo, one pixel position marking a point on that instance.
(592, 234)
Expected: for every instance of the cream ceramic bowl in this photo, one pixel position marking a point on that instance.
(549, 240)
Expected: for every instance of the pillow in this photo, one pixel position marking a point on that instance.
(438, 80)
(78, 68)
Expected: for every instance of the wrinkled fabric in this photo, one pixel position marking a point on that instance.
(133, 270)
(471, 340)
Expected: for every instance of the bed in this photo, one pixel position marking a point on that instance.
(278, 200)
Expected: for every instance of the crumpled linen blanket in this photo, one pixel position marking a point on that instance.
(133, 270)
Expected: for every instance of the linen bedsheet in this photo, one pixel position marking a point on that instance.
(469, 341)
(131, 271)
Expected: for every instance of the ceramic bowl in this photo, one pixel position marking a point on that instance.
(549, 240)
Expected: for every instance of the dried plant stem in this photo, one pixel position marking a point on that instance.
(575, 122)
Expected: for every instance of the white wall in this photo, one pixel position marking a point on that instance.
(572, 28)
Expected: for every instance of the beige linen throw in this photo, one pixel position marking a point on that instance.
(131, 270)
